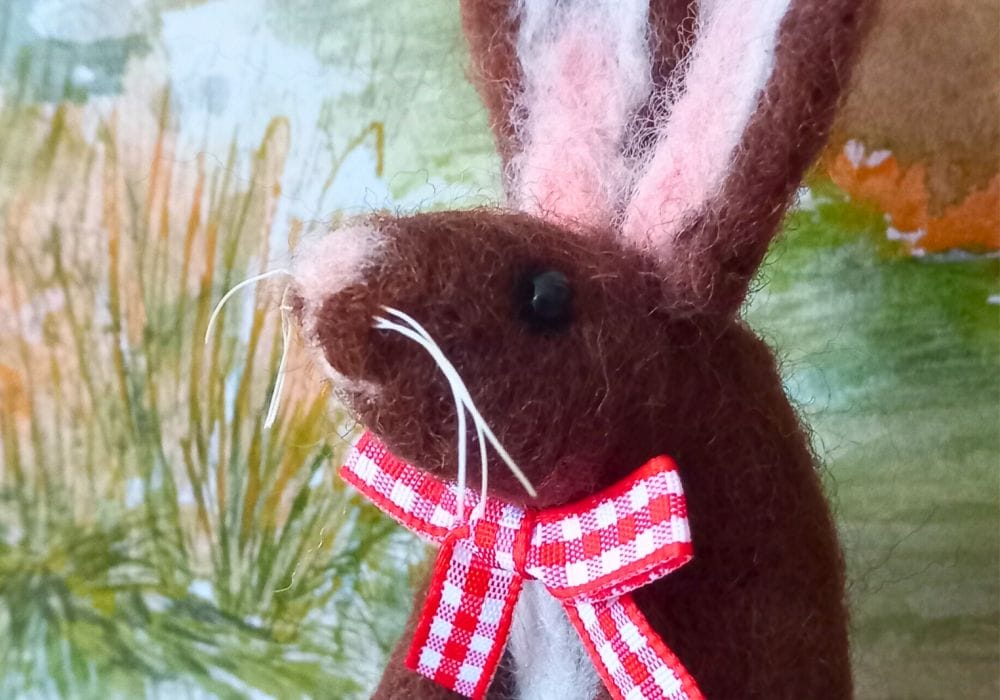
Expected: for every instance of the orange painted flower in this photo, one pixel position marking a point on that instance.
(878, 179)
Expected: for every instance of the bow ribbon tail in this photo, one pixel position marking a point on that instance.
(630, 657)
(465, 621)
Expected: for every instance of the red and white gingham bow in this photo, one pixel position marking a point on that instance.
(589, 555)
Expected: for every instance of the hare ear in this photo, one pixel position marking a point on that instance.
(759, 92)
(561, 81)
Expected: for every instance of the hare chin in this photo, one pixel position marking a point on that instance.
(343, 385)
(547, 657)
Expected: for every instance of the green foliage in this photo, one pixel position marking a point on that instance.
(153, 536)
(895, 363)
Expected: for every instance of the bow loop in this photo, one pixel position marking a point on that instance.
(615, 541)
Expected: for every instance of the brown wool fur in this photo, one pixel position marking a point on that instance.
(655, 361)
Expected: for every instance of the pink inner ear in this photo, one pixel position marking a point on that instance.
(731, 63)
(577, 102)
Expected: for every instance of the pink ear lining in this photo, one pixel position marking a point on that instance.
(732, 61)
(573, 161)
(587, 73)
(584, 75)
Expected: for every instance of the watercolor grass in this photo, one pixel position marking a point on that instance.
(152, 534)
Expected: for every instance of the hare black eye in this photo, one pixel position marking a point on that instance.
(545, 300)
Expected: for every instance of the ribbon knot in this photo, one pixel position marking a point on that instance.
(481, 535)
(589, 555)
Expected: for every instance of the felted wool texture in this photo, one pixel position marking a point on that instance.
(324, 264)
(759, 612)
(714, 254)
(790, 62)
(509, 40)
(732, 59)
(502, 53)
(654, 361)
(671, 36)
(490, 28)
(545, 651)
(585, 70)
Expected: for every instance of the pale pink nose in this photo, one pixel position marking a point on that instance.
(336, 324)
(325, 264)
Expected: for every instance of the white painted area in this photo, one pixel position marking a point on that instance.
(230, 76)
(72, 20)
(82, 76)
(134, 492)
(200, 588)
(549, 660)
(910, 237)
(855, 153)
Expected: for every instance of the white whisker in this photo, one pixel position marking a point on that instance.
(480, 509)
(228, 295)
(445, 365)
(504, 455)
(385, 324)
(279, 382)
(460, 412)
(286, 332)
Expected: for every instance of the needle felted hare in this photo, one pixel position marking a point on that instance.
(650, 150)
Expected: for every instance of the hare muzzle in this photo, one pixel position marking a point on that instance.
(333, 310)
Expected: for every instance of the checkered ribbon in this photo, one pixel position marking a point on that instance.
(589, 555)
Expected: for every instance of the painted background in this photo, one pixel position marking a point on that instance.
(155, 541)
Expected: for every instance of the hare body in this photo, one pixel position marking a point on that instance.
(634, 373)
(650, 152)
